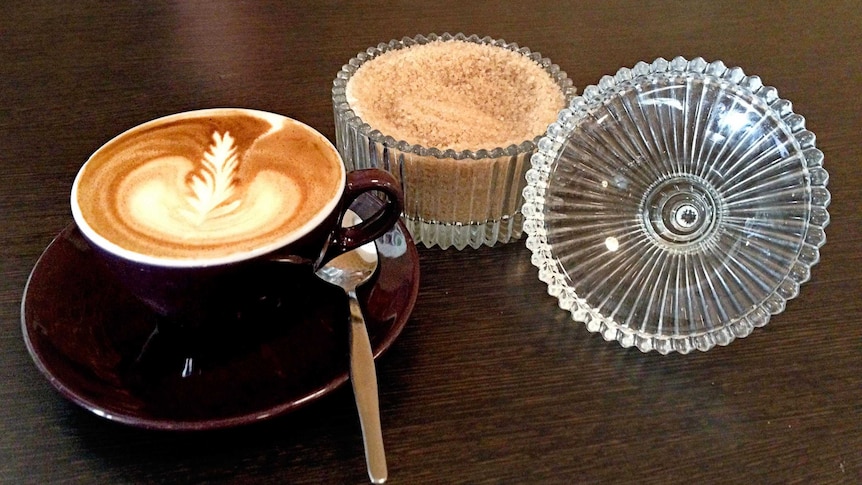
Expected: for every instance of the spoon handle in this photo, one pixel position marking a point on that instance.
(364, 379)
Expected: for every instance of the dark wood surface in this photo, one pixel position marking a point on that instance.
(490, 382)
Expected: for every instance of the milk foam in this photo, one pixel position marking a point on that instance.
(208, 186)
(159, 202)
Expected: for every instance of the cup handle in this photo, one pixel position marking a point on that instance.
(344, 239)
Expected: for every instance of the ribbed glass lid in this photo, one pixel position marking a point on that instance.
(676, 205)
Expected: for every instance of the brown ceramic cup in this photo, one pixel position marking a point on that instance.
(202, 213)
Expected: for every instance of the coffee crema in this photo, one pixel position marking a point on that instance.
(208, 184)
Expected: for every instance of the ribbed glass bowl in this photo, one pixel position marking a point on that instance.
(452, 198)
(676, 205)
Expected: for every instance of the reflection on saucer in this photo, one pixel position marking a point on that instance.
(393, 244)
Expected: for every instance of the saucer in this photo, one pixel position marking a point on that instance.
(96, 343)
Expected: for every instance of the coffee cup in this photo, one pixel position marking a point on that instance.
(199, 213)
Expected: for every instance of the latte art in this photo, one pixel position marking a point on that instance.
(213, 183)
(208, 187)
(171, 197)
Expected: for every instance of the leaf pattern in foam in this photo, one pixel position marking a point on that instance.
(213, 182)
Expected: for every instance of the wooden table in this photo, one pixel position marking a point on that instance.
(490, 382)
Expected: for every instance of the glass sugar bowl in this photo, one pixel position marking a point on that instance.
(456, 120)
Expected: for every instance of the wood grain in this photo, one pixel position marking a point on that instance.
(490, 382)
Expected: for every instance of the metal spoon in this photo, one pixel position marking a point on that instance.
(348, 271)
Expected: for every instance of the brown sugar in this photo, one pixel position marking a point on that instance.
(455, 95)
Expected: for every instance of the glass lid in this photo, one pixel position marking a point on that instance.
(676, 205)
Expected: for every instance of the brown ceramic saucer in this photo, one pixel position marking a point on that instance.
(96, 343)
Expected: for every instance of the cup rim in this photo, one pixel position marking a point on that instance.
(233, 257)
(345, 113)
